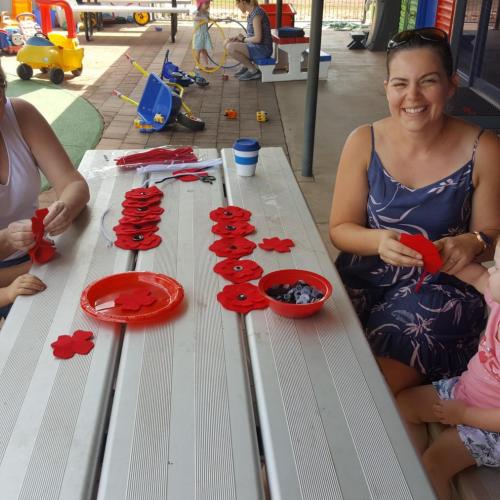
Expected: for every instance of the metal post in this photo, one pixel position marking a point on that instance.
(312, 87)
(279, 10)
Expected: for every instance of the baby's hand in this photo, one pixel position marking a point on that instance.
(450, 411)
(20, 235)
(26, 284)
(57, 219)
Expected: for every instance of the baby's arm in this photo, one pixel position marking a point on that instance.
(26, 284)
(455, 412)
(476, 275)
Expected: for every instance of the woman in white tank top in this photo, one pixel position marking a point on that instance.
(27, 146)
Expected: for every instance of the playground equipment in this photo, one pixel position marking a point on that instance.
(55, 54)
(173, 74)
(160, 104)
(28, 25)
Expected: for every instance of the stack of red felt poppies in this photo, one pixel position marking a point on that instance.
(136, 230)
(158, 155)
(232, 224)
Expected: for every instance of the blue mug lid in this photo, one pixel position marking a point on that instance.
(246, 144)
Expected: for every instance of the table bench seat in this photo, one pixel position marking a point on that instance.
(329, 426)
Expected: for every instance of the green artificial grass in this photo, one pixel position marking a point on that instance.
(77, 124)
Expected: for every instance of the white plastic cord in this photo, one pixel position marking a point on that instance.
(103, 230)
(179, 166)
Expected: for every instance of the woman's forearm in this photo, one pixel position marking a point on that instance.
(355, 239)
(6, 248)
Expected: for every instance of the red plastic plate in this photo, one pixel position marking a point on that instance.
(98, 299)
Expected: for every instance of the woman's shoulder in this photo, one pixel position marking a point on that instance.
(22, 107)
(468, 133)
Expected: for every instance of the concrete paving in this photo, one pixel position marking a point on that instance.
(352, 95)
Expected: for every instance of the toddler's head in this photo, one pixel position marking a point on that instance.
(203, 4)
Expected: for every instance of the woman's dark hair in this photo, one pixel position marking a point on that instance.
(3, 78)
(432, 38)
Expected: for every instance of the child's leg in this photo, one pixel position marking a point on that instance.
(204, 57)
(444, 458)
(415, 406)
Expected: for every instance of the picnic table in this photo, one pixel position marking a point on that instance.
(211, 403)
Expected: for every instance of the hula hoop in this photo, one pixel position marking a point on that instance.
(227, 20)
(197, 59)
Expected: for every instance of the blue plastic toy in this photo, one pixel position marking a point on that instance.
(172, 73)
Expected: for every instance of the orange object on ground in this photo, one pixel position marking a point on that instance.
(231, 113)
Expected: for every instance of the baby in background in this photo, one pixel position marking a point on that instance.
(469, 405)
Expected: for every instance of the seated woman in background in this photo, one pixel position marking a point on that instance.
(417, 171)
(257, 44)
(29, 145)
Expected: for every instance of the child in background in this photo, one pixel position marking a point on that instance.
(469, 404)
(202, 42)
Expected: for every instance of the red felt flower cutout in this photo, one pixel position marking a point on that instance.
(230, 213)
(142, 212)
(135, 228)
(141, 221)
(276, 244)
(143, 193)
(242, 298)
(430, 254)
(233, 228)
(145, 202)
(137, 241)
(232, 247)
(189, 178)
(67, 346)
(238, 271)
(43, 250)
(135, 300)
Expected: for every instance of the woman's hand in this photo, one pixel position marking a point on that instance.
(57, 220)
(20, 235)
(457, 251)
(450, 411)
(392, 252)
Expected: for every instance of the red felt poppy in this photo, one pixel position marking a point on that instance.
(276, 244)
(232, 247)
(242, 298)
(430, 254)
(142, 221)
(143, 193)
(137, 241)
(43, 250)
(234, 228)
(238, 271)
(135, 300)
(143, 212)
(145, 202)
(189, 178)
(67, 346)
(135, 228)
(230, 213)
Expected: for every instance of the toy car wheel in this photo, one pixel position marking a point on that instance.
(191, 122)
(24, 71)
(77, 72)
(56, 75)
(142, 18)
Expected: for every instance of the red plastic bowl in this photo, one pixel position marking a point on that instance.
(98, 298)
(291, 276)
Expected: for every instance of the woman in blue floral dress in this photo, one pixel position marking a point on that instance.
(418, 171)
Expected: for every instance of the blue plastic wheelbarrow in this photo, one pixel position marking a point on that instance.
(161, 105)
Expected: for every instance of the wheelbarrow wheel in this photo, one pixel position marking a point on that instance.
(142, 18)
(77, 72)
(191, 122)
(24, 71)
(56, 75)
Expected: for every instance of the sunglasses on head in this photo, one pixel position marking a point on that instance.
(431, 35)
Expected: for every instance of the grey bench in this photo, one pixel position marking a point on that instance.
(329, 425)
